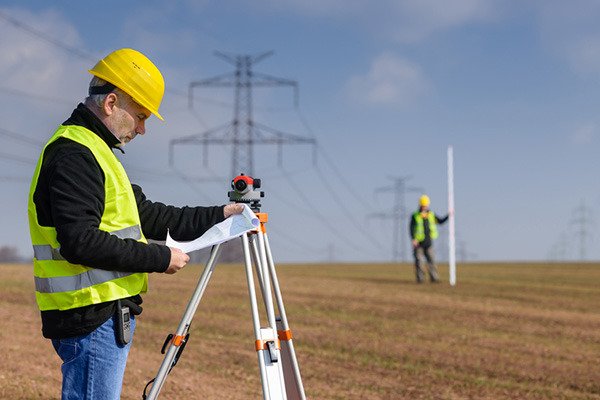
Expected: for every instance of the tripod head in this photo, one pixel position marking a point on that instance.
(244, 191)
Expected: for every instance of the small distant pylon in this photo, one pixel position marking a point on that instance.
(398, 215)
(582, 221)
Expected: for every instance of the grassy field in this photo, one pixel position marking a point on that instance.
(506, 331)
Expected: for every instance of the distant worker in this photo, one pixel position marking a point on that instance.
(423, 230)
(89, 227)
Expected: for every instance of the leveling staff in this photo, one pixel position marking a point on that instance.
(89, 227)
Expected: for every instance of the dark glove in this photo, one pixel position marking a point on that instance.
(134, 308)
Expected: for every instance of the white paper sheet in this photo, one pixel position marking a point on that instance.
(234, 226)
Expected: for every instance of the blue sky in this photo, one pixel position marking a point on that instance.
(385, 87)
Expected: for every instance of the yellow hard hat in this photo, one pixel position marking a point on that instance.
(135, 74)
(424, 201)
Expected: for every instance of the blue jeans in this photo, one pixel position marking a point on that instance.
(93, 364)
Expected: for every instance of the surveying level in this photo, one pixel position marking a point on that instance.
(278, 366)
(243, 191)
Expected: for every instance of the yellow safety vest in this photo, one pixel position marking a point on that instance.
(420, 229)
(60, 285)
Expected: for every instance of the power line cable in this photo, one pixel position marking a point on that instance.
(73, 50)
(198, 118)
(329, 160)
(293, 240)
(147, 171)
(191, 183)
(21, 93)
(18, 159)
(273, 193)
(176, 92)
(45, 37)
(272, 173)
(345, 182)
(218, 103)
(321, 218)
(20, 137)
(136, 176)
(349, 214)
(14, 179)
(289, 203)
(341, 177)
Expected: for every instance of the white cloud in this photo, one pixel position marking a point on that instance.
(391, 80)
(41, 82)
(322, 8)
(405, 21)
(584, 134)
(584, 53)
(571, 31)
(31, 64)
(410, 21)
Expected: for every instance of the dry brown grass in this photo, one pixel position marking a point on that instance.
(506, 331)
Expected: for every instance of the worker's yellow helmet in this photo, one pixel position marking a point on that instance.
(424, 201)
(135, 74)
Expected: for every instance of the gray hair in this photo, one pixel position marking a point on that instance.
(98, 99)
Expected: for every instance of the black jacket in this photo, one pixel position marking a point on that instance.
(70, 197)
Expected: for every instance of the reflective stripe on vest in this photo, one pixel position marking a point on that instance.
(420, 229)
(45, 252)
(61, 285)
(76, 282)
(83, 280)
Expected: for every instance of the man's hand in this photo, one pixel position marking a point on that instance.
(233, 208)
(178, 260)
(415, 243)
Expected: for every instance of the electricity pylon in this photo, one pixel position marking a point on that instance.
(398, 215)
(582, 219)
(242, 132)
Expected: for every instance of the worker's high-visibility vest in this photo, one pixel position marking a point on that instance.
(60, 285)
(420, 229)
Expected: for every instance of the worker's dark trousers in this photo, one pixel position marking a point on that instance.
(427, 251)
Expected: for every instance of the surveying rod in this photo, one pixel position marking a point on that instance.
(451, 234)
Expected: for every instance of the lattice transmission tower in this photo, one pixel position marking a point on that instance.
(242, 132)
(582, 221)
(398, 215)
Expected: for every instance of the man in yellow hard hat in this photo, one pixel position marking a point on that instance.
(89, 227)
(423, 230)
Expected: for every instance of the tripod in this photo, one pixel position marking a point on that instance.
(279, 371)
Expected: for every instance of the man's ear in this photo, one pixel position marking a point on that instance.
(109, 104)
